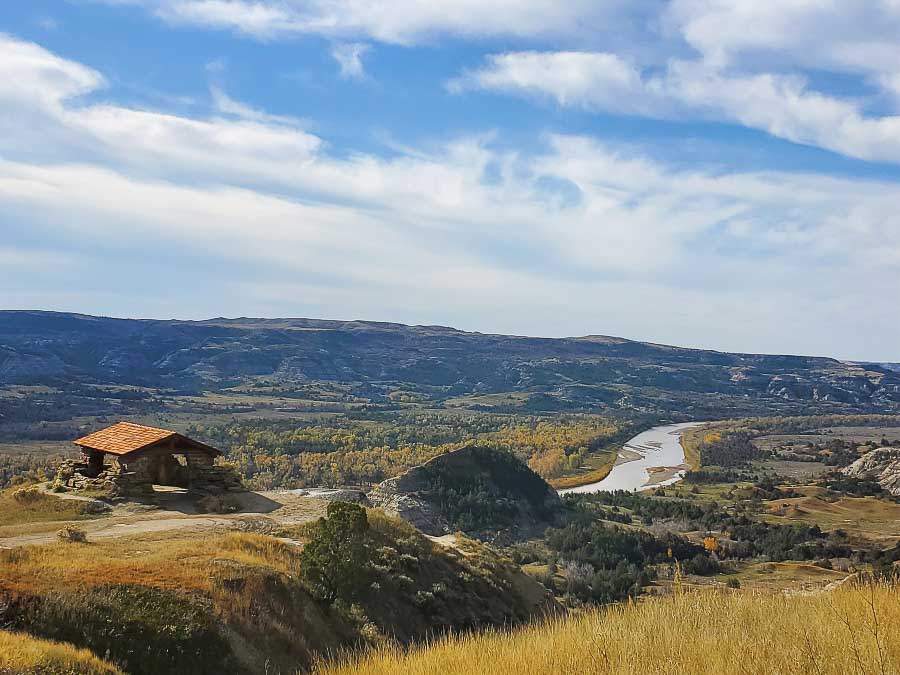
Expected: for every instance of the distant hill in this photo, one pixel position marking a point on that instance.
(437, 364)
(890, 366)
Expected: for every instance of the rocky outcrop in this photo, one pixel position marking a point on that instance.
(335, 495)
(415, 508)
(484, 492)
(881, 465)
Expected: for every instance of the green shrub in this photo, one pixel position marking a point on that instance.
(334, 563)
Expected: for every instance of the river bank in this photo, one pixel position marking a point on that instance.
(652, 458)
(601, 464)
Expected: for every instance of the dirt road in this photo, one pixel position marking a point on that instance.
(176, 515)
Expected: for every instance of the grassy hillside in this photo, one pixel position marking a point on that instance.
(237, 602)
(28, 504)
(851, 630)
(25, 655)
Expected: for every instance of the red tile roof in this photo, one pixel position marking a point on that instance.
(126, 437)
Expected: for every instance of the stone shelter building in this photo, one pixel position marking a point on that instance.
(129, 458)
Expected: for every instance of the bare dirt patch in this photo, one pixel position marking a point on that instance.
(262, 512)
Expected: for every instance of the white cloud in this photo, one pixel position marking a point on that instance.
(783, 106)
(846, 36)
(851, 36)
(743, 62)
(253, 18)
(593, 79)
(226, 105)
(30, 73)
(398, 21)
(36, 92)
(576, 238)
(349, 57)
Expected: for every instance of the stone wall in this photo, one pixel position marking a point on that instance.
(135, 478)
(112, 481)
(214, 479)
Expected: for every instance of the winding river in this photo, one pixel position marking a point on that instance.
(650, 459)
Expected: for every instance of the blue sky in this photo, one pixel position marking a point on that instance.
(712, 173)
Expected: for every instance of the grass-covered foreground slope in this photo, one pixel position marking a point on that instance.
(850, 630)
(240, 603)
(28, 505)
(25, 655)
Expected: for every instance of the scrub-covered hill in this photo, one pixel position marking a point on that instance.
(481, 491)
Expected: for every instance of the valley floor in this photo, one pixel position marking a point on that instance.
(785, 548)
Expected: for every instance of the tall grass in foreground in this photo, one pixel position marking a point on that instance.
(850, 630)
(22, 654)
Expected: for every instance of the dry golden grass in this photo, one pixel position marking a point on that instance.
(161, 593)
(869, 517)
(786, 576)
(25, 505)
(24, 654)
(175, 564)
(850, 630)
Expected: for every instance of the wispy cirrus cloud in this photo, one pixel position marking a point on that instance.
(349, 57)
(403, 22)
(781, 105)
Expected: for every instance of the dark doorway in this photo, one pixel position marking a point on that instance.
(170, 470)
